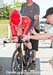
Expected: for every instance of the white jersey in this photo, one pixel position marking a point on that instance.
(50, 30)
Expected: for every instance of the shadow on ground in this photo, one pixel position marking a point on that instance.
(5, 66)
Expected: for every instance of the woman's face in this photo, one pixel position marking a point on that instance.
(50, 18)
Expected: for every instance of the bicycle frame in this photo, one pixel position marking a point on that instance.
(22, 53)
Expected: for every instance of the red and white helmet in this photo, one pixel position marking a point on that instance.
(15, 17)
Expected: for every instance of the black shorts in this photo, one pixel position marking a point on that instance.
(35, 42)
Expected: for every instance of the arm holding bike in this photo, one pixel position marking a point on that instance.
(38, 36)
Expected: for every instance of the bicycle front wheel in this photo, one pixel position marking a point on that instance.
(17, 62)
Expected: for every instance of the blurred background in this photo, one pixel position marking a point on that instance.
(6, 6)
(44, 53)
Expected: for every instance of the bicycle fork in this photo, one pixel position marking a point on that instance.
(22, 56)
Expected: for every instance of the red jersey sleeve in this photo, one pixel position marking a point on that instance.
(26, 22)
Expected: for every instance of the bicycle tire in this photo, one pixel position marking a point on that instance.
(17, 54)
(18, 50)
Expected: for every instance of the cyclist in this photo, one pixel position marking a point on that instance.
(19, 25)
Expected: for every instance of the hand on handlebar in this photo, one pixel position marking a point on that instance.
(26, 38)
